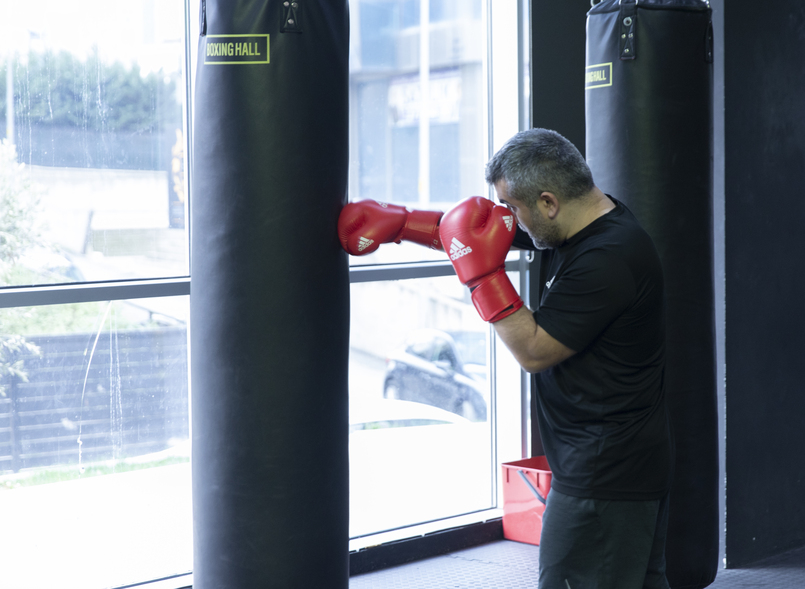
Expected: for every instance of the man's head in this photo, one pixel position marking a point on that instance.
(536, 173)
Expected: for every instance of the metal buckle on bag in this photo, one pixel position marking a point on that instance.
(628, 30)
(291, 12)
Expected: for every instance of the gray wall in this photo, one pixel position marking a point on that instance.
(759, 220)
(558, 40)
(764, 217)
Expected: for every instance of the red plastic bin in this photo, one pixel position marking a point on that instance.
(526, 484)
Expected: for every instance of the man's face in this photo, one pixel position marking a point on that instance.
(544, 232)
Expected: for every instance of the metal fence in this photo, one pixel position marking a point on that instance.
(120, 396)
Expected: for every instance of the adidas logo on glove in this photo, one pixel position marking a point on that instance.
(458, 249)
(509, 220)
(363, 243)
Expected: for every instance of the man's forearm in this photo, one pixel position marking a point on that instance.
(533, 347)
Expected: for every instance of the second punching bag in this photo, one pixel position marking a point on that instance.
(649, 144)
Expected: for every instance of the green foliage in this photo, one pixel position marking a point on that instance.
(59, 89)
(56, 320)
(72, 318)
(19, 204)
(62, 90)
(58, 475)
(52, 319)
(18, 231)
(13, 348)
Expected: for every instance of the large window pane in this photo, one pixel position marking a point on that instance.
(92, 164)
(94, 445)
(417, 124)
(420, 439)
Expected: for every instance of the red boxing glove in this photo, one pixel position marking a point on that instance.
(478, 235)
(364, 225)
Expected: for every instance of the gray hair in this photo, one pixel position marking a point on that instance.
(540, 160)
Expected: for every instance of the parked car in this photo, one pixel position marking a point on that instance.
(371, 414)
(443, 369)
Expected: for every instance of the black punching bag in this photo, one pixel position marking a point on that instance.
(270, 296)
(649, 143)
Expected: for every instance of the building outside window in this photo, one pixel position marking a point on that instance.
(94, 445)
(433, 408)
(94, 282)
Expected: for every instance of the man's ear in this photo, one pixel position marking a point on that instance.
(549, 204)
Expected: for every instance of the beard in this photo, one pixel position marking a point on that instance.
(545, 234)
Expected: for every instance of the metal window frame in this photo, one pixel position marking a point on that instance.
(26, 296)
(88, 292)
(117, 290)
(430, 269)
(410, 270)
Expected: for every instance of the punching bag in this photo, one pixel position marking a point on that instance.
(270, 296)
(649, 143)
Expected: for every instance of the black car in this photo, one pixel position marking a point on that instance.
(443, 369)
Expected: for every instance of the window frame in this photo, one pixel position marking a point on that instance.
(481, 526)
(397, 546)
(141, 288)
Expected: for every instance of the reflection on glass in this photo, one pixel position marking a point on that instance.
(92, 160)
(420, 441)
(94, 445)
(417, 123)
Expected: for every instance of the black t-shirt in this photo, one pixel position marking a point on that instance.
(602, 412)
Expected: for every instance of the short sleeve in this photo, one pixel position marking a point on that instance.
(585, 297)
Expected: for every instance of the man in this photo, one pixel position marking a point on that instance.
(596, 345)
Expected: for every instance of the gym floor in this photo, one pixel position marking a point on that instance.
(512, 565)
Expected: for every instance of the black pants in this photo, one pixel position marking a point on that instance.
(600, 544)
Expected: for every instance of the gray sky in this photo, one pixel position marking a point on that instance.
(148, 32)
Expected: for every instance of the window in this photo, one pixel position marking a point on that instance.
(417, 134)
(94, 448)
(93, 157)
(421, 133)
(94, 285)
(94, 445)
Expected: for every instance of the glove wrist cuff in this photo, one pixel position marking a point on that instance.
(494, 296)
(422, 227)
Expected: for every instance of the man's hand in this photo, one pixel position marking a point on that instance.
(478, 236)
(364, 225)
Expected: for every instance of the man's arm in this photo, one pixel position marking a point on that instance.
(366, 224)
(533, 347)
(480, 234)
